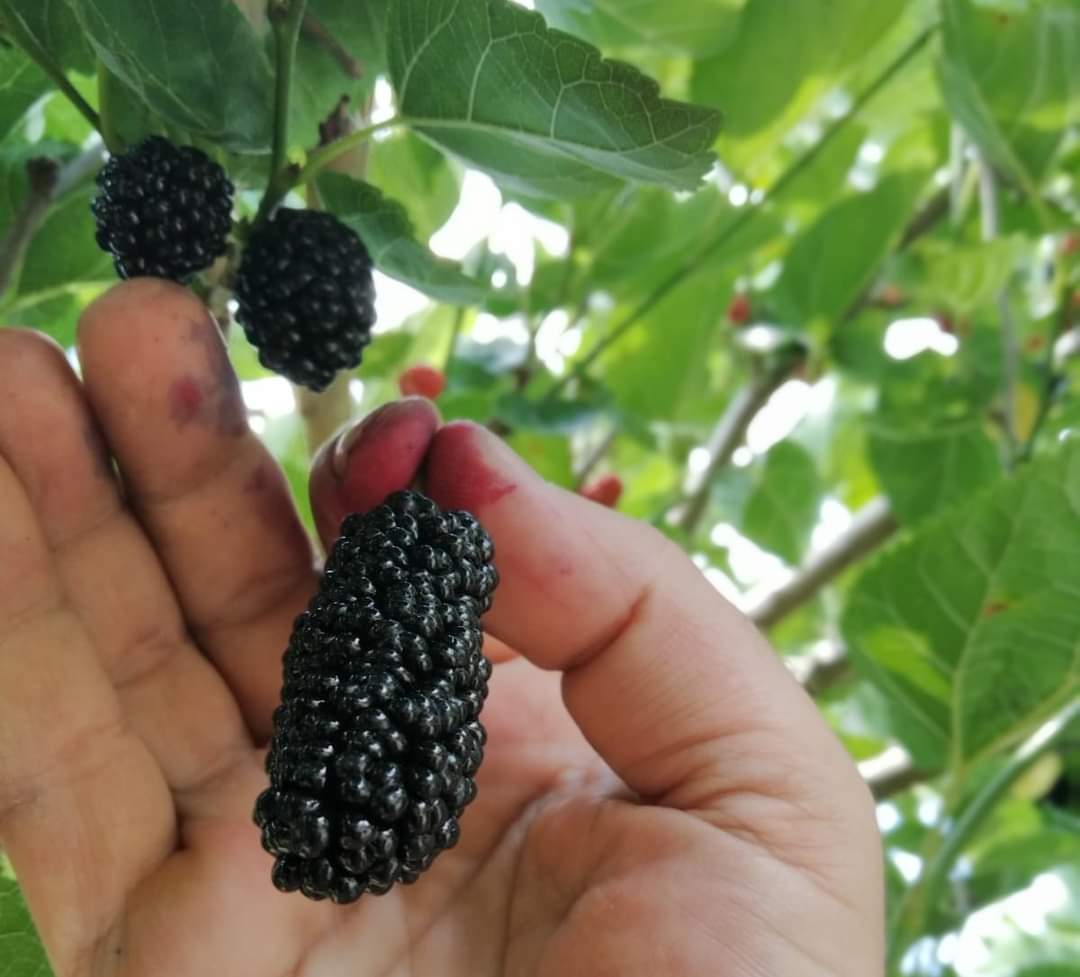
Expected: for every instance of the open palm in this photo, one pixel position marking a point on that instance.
(658, 797)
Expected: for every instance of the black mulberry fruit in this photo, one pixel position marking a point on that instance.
(305, 296)
(162, 210)
(378, 738)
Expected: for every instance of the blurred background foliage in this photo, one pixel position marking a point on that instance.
(838, 364)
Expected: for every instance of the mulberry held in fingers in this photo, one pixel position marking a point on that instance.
(377, 740)
(306, 296)
(162, 210)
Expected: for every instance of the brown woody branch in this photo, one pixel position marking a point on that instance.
(871, 526)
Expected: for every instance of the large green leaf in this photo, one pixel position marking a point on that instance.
(658, 368)
(971, 627)
(360, 28)
(339, 53)
(698, 28)
(21, 84)
(537, 108)
(385, 228)
(21, 954)
(926, 470)
(1008, 73)
(783, 57)
(64, 250)
(783, 506)
(201, 67)
(52, 25)
(406, 167)
(834, 259)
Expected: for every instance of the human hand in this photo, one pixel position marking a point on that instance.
(658, 798)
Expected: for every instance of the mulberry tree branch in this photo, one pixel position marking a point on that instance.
(48, 181)
(871, 526)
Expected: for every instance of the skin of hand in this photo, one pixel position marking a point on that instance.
(659, 797)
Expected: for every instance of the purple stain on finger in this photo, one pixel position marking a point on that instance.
(210, 397)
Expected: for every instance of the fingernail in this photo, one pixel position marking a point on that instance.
(358, 435)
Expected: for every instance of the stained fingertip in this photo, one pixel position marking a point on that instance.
(355, 471)
(468, 467)
(158, 342)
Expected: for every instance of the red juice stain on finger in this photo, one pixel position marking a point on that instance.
(185, 400)
(459, 475)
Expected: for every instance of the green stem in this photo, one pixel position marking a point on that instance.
(1052, 379)
(285, 18)
(41, 58)
(109, 132)
(927, 891)
(684, 272)
(455, 333)
(325, 155)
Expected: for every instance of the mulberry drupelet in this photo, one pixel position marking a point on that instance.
(162, 210)
(305, 296)
(377, 741)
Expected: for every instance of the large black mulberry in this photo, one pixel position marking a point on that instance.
(305, 296)
(378, 738)
(162, 210)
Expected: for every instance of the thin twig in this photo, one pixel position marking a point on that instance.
(726, 437)
(594, 457)
(692, 266)
(924, 895)
(891, 772)
(314, 29)
(1061, 346)
(870, 527)
(47, 182)
(1010, 349)
(925, 219)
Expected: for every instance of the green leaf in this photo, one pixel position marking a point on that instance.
(202, 67)
(548, 454)
(360, 28)
(57, 313)
(697, 28)
(831, 262)
(783, 505)
(385, 228)
(658, 369)
(962, 277)
(21, 84)
(64, 250)
(783, 57)
(924, 471)
(971, 627)
(21, 953)
(538, 109)
(1008, 75)
(52, 24)
(406, 167)
(339, 53)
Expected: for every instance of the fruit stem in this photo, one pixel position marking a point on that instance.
(22, 36)
(285, 19)
(108, 129)
(322, 157)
